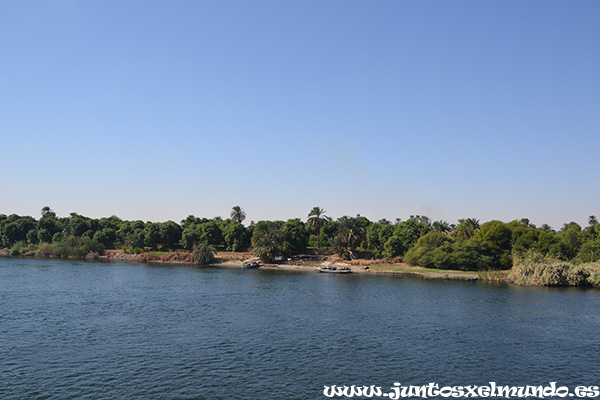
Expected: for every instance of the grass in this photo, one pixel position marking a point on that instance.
(534, 269)
(160, 253)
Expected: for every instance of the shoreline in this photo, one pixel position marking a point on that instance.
(399, 270)
(182, 259)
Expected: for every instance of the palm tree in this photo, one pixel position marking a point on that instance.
(350, 233)
(266, 249)
(467, 227)
(267, 240)
(441, 226)
(204, 254)
(238, 214)
(316, 219)
(593, 221)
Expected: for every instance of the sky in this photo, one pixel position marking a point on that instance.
(156, 110)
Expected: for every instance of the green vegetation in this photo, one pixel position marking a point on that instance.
(238, 214)
(535, 269)
(316, 219)
(204, 254)
(70, 247)
(569, 254)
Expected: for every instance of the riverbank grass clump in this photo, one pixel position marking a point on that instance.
(21, 248)
(70, 247)
(533, 269)
(204, 254)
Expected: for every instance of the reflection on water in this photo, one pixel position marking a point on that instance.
(94, 330)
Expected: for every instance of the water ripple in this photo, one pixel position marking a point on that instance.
(76, 330)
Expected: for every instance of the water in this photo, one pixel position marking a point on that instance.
(82, 330)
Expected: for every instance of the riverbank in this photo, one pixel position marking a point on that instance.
(542, 272)
(401, 270)
(302, 263)
(306, 264)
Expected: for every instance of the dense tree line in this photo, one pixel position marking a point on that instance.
(495, 244)
(467, 245)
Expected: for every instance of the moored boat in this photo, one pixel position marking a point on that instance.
(334, 270)
(250, 264)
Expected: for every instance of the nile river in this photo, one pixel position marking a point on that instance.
(84, 330)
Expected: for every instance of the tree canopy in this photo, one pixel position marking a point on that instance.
(468, 244)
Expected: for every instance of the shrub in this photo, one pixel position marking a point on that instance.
(533, 269)
(19, 248)
(71, 247)
(204, 254)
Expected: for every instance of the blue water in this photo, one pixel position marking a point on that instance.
(83, 330)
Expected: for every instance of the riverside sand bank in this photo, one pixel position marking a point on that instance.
(235, 260)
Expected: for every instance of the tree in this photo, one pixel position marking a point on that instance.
(571, 240)
(393, 247)
(266, 249)
(467, 227)
(589, 251)
(351, 233)
(15, 229)
(423, 219)
(235, 235)
(591, 232)
(204, 254)
(373, 242)
(170, 233)
(49, 224)
(267, 240)
(44, 236)
(238, 214)
(496, 240)
(152, 234)
(296, 237)
(107, 237)
(546, 228)
(189, 221)
(441, 226)
(409, 232)
(425, 252)
(48, 212)
(112, 222)
(316, 219)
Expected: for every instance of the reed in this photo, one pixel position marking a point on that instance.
(534, 269)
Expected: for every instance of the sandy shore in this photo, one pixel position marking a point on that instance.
(397, 270)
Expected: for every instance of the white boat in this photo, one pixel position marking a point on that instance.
(251, 264)
(334, 270)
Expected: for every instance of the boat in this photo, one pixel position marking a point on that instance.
(334, 270)
(250, 264)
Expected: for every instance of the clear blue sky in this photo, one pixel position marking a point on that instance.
(155, 110)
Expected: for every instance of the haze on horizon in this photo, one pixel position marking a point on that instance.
(156, 110)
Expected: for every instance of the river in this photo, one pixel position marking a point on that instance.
(92, 330)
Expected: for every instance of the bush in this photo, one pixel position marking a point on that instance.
(436, 250)
(393, 247)
(47, 250)
(204, 254)
(533, 269)
(71, 247)
(19, 248)
(589, 251)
